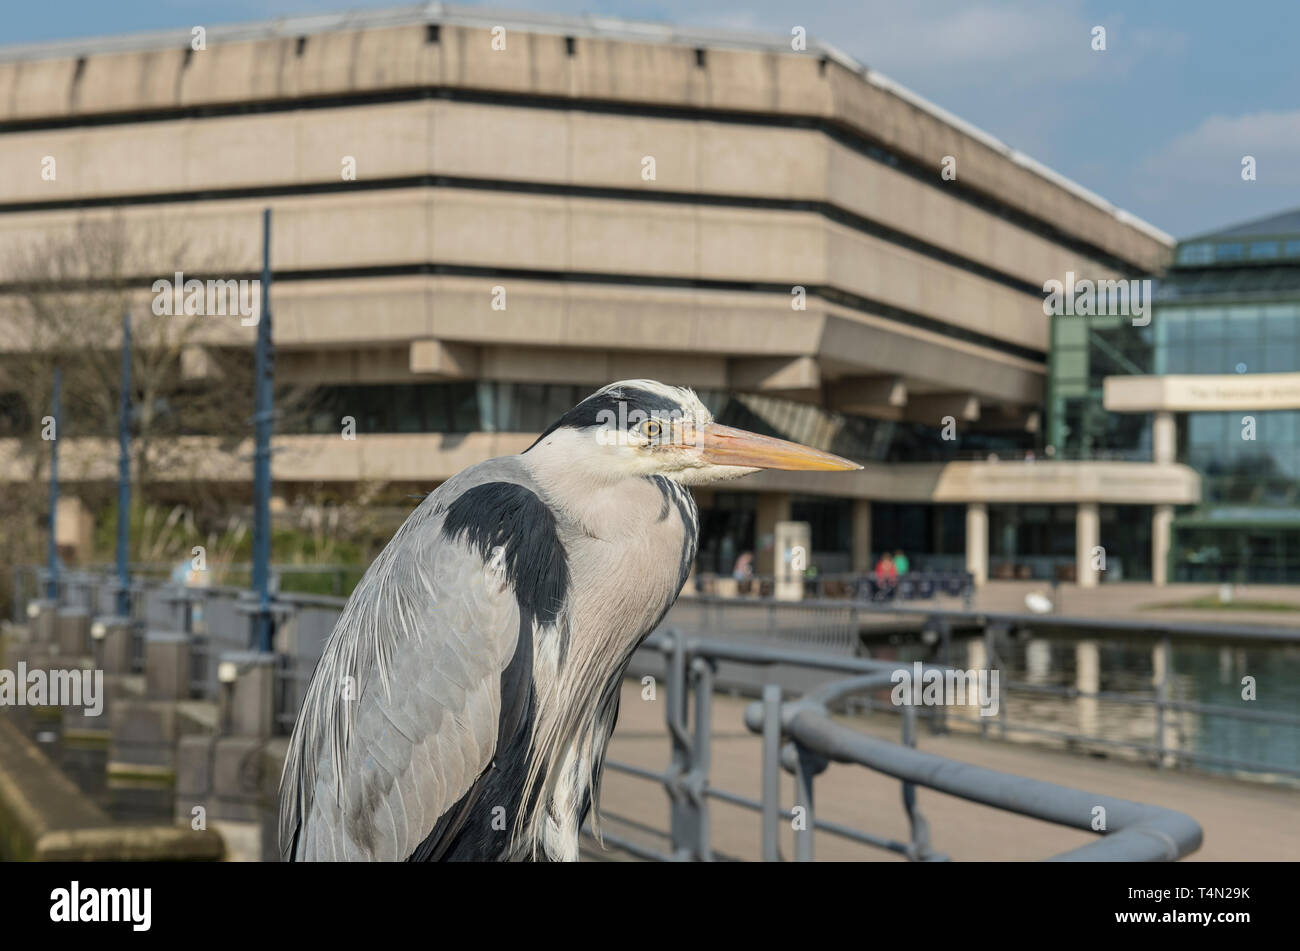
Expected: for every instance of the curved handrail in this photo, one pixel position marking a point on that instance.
(1134, 832)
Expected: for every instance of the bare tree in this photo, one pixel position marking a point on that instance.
(61, 304)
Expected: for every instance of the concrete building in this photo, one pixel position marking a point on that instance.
(1214, 382)
(477, 220)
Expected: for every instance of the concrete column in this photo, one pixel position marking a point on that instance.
(1162, 520)
(773, 507)
(230, 779)
(42, 616)
(977, 541)
(1164, 437)
(73, 632)
(794, 550)
(248, 698)
(1087, 536)
(862, 535)
(114, 634)
(167, 665)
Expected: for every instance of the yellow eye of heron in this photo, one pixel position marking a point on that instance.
(651, 428)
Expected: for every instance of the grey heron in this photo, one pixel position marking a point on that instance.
(463, 703)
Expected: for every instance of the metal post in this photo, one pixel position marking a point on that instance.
(939, 713)
(771, 772)
(262, 418)
(124, 476)
(993, 661)
(805, 769)
(52, 581)
(683, 812)
(699, 778)
(919, 846)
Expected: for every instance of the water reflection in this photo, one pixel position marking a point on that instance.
(1199, 673)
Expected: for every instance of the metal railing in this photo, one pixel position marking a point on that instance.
(29, 581)
(217, 620)
(800, 737)
(704, 634)
(807, 622)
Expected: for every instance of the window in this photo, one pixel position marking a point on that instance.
(1195, 254)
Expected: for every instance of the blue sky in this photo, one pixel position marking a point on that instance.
(1157, 124)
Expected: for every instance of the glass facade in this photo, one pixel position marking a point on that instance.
(492, 406)
(1250, 551)
(830, 525)
(1038, 542)
(1247, 528)
(1084, 351)
(1241, 338)
(932, 536)
(1031, 541)
(727, 528)
(1230, 306)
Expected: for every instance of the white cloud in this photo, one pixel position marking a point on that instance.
(993, 43)
(1212, 152)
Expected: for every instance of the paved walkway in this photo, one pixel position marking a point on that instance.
(1242, 821)
(1136, 600)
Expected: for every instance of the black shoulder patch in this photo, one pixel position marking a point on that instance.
(510, 516)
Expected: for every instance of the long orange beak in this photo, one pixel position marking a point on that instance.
(725, 446)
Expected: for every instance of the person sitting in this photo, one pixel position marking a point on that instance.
(886, 570)
(901, 564)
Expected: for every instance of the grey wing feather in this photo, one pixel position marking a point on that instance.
(401, 715)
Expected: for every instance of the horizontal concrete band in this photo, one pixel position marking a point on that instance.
(1115, 483)
(363, 331)
(431, 458)
(824, 209)
(1199, 393)
(343, 61)
(518, 146)
(496, 231)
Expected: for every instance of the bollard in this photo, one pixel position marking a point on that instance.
(113, 634)
(251, 694)
(42, 614)
(167, 665)
(72, 627)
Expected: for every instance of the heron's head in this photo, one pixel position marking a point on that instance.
(640, 428)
